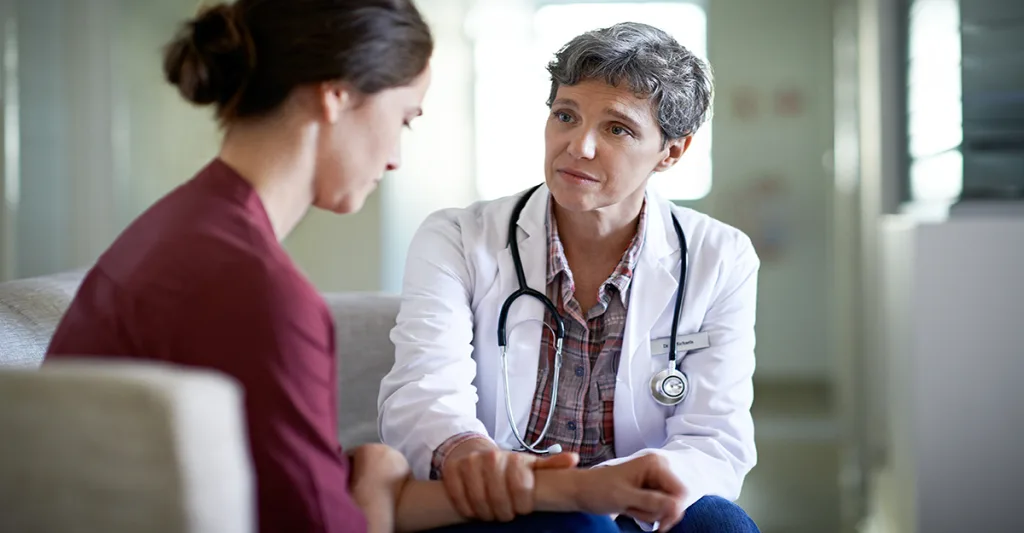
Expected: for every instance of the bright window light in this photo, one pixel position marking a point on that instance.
(938, 178)
(512, 86)
(934, 101)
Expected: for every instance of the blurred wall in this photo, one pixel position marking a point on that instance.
(92, 133)
(771, 149)
(159, 140)
(44, 208)
(438, 154)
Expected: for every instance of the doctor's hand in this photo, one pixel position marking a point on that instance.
(643, 488)
(487, 483)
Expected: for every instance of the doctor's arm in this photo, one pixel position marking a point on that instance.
(428, 403)
(710, 436)
(428, 396)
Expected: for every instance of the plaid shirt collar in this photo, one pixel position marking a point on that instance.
(623, 273)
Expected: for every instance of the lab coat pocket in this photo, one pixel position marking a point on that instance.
(606, 395)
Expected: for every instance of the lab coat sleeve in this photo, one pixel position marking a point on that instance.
(710, 436)
(429, 395)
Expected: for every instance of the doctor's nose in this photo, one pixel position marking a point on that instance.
(582, 145)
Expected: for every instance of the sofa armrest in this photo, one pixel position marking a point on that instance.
(93, 445)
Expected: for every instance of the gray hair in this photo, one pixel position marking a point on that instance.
(648, 61)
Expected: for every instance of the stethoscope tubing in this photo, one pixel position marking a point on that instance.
(525, 290)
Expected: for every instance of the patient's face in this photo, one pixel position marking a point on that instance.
(357, 150)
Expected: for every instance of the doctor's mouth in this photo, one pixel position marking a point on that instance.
(577, 177)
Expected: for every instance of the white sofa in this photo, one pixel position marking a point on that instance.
(167, 444)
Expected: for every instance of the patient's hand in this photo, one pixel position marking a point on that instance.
(376, 480)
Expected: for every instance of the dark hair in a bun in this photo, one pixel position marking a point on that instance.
(211, 57)
(245, 58)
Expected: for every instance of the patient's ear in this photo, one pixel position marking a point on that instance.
(335, 98)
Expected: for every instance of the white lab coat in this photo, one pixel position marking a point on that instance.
(447, 375)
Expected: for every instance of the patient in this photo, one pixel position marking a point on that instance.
(312, 96)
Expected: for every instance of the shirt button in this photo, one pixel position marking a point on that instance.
(580, 371)
(571, 425)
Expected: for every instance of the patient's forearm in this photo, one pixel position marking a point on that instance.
(425, 504)
(555, 490)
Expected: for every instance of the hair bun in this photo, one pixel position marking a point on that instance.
(211, 57)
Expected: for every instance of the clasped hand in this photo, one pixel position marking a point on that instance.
(486, 483)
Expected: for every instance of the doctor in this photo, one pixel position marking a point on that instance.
(586, 315)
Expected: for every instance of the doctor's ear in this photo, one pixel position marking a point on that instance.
(334, 99)
(674, 150)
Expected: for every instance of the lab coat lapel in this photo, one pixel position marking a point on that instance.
(654, 286)
(652, 292)
(525, 319)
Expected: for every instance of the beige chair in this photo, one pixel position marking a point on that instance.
(112, 447)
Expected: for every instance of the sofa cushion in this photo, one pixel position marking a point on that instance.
(30, 310)
(365, 354)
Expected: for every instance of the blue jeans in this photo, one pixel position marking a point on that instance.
(710, 514)
(540, 523)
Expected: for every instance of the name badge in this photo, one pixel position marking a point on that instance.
(684, 343)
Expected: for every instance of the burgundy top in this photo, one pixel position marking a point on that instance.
(200, 280)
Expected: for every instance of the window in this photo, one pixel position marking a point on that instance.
(934, 103)
(513, 45)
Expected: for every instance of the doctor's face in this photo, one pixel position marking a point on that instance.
(602, 143)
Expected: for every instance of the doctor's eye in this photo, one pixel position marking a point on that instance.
(562, 116)
(619, 131)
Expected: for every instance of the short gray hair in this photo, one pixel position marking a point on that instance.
(650, 63)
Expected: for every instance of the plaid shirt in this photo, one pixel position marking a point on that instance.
(583, 419)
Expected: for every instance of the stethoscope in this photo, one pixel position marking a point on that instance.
(668, 387)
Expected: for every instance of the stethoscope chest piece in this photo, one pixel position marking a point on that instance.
(669, 387)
